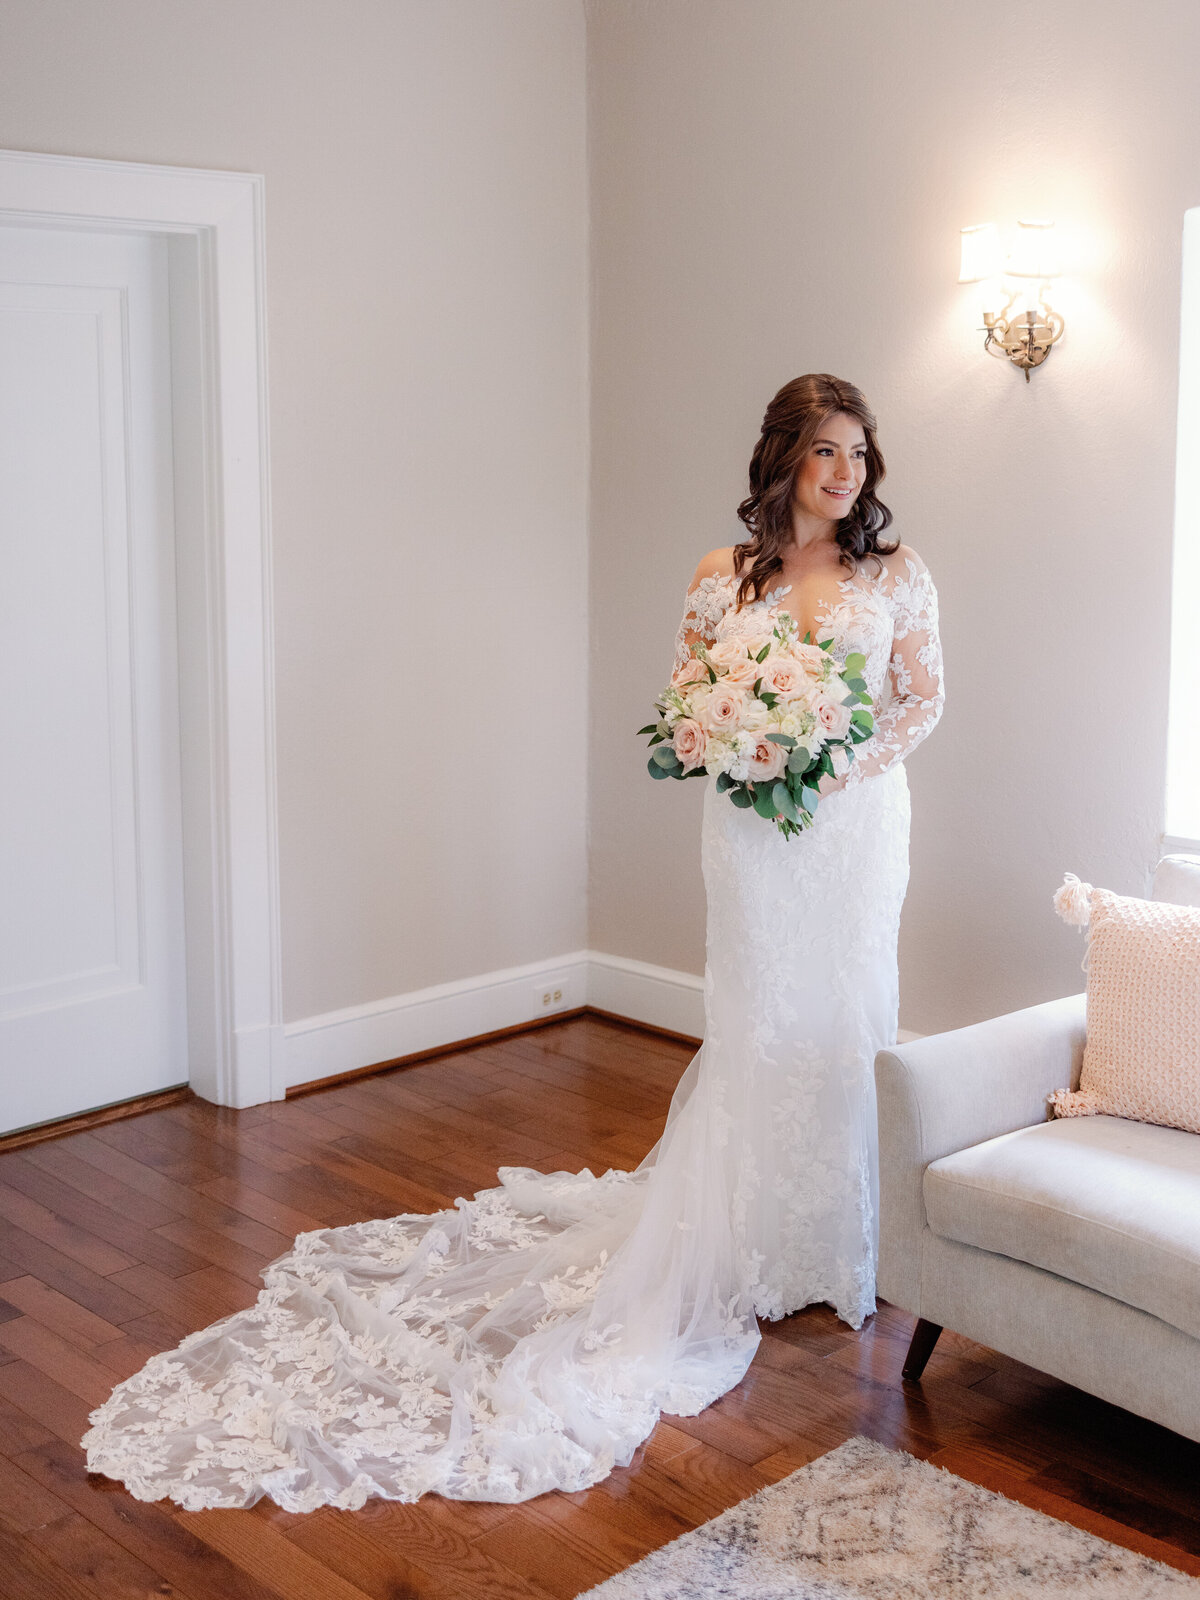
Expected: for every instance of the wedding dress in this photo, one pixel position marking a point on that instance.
(527, 1339)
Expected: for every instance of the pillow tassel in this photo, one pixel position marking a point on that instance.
(1073, 1103)
(1073, 901)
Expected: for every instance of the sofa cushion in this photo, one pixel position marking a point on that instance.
(1108, 1203)
(1142, 1057)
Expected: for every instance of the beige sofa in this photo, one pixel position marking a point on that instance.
(1072, 1245)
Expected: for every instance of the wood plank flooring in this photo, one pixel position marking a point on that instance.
(118, 1240)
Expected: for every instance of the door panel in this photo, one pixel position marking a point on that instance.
(91, 926)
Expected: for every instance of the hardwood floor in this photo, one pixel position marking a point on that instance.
(116, 1241)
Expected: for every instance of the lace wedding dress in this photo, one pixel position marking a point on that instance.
(528, 1338)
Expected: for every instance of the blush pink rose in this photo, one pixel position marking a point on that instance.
(811, 657)
(724, 708)
(834, 719)
(690, 742)
(692, 671)
(766, 762)
(726, 651)
(783, 676)
(743, 672)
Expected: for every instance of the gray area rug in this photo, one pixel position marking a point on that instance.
(867, 1523)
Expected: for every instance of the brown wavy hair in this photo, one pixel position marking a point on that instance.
(794, 419)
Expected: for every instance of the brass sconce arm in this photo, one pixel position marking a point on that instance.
(1026, 339)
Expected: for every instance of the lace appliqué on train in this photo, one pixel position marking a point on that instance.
(527, 1339)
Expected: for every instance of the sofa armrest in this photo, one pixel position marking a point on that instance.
(953, 1090)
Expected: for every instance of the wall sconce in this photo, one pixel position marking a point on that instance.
(1024, 336)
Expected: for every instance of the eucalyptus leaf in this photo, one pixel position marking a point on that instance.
(800, 759)
(809, 799)
(784, 803)
(785, 739)
(855, 661)
(741, 799)
(724, 781)
(653, 768)
(666, 758)
(764, 803)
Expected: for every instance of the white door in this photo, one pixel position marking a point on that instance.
(92, 974)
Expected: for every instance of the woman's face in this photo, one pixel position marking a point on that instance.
(833, 471)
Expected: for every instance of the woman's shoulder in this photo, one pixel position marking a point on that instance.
(897, 574)
(902, 562)
(907, 590)
(715, 568)
(710, 593)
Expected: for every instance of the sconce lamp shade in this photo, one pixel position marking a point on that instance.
(1024, 337)
(980, 253)
(1035, 254)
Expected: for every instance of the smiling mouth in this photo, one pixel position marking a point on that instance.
(842, 494)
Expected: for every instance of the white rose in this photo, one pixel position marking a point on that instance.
(757, 716)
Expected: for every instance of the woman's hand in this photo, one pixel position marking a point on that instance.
(832, 785)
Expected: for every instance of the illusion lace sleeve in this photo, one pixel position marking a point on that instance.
(706, 603)
(912, 700)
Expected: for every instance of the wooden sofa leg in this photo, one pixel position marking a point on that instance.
(925, 1336)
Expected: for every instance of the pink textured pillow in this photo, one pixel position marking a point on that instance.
(1142, 1057)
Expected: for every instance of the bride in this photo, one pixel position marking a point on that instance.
(529, 1338)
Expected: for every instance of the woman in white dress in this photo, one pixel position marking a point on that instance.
(529, 1338)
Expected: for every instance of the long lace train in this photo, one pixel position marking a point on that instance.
(527, 1339)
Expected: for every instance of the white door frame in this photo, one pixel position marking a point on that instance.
(214, 224)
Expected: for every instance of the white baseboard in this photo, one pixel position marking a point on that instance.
(426, 1019)
(345, 1041)
(659, 996)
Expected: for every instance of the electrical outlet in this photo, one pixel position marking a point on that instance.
(552, 995)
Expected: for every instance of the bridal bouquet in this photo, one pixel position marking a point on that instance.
(768, 714)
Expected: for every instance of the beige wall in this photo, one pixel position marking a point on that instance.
(426, 186)
(777, 188)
